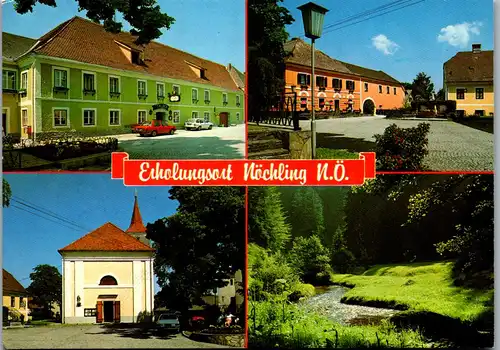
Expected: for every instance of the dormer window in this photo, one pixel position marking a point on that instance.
(198, 70)
(134, 55)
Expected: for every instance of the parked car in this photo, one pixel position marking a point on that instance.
(197, 124)
(155, 127)
(168, 322)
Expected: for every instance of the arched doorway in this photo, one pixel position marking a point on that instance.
(369, 107)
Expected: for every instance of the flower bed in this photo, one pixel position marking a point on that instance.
(229, 336)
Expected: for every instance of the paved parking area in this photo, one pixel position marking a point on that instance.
(218, 143)
(94, 337)
(452, 146)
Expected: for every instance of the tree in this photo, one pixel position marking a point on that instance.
(144, 16)
(200, 246)
(266, 220)
(422, 87)
(306, 213)
(6, 193)
(312, 259)
(440, 95)
(266, 39)
(407, 86)
(46, 287)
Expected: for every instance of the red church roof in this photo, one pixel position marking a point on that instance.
(136, 225)
(108, 237)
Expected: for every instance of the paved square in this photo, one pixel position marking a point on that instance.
(452, 146)
(94, 337)
(218, 143)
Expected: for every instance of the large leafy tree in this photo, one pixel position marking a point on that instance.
(267, 225)
(422, 87)
(201, 245)
(145, 16)
(6, 193)
(266, 54)
(46, 286)
(311, 258)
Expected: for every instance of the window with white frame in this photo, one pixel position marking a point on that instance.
(224, 98)
(194, 95)
(60, 117)
(141, 116)
(60, 78)
(238, 98)
(176, 89)
(114, 117)
(194, 114)
(89, 117)
(160, 90)
(207, 95)
(237, 116)
(176, 117)
(24, 116)
(114, 85)
(24, 81)
(9, 78)
(88, 82)
(206, 116)
(141, 88)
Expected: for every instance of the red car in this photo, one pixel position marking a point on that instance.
(155, 127)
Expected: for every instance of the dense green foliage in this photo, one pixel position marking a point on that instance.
(266, 38)
(46, 287)
(422, 87)
(201, 245)
(402, 149)
(6, 193)
(144, 16)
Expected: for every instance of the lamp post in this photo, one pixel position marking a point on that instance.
(313, 16)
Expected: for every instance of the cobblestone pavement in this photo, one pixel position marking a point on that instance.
(218, 143)
(452, 146)
(94, 337)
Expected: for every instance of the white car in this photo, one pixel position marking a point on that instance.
(197, 124)
(168, 322)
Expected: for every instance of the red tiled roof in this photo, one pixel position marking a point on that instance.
(84, 41)
(11, 286)
(371, 73)
(108, 237)
(136, 225)
(469, 66)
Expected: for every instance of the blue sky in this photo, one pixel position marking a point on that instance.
(211, 29)
(405, 42)
(89, 200)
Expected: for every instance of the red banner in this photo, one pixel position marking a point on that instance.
(334, 172)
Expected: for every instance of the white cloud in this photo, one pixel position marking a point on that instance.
(384, 45)
(459, 34)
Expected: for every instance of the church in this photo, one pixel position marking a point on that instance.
(107, 275)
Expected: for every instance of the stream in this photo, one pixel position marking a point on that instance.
(327, 303)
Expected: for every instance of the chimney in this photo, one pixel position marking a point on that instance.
(229, 67)
(476, 48)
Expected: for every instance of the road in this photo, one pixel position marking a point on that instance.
(452, 146)
(94, 337)
(218, 143)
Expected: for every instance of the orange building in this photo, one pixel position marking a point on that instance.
(339, 86)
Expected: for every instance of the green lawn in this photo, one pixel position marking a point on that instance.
(419, 286)
(327, 153)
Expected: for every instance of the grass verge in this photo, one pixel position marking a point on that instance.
(327, 153)
(416, 287)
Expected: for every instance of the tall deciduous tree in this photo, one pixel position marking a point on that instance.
(267, 225)
(201, 245)
(145, 16)
(422, 87)
(46, 286)
(6, 193)
(266, 38)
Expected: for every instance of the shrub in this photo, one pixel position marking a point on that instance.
(312, 259)
(302, 290)
(402, 149)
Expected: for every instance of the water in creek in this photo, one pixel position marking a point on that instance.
(326, 302)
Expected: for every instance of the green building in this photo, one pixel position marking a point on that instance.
(78, 77)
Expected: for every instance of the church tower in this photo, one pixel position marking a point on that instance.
(137, 228)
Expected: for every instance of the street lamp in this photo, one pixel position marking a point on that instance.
(313, 16)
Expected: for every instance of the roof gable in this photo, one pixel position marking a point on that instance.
(10, 285)
(84, 41)
(108, 237)
(469, 66)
